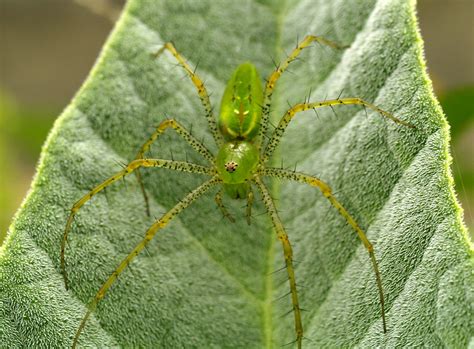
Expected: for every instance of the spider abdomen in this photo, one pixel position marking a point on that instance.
(241, 106)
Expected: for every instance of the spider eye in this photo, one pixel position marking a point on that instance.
(231, 166)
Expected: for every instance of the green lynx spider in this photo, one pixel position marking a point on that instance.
(239, 164)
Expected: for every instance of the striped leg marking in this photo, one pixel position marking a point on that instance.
(201, 89)
(220, 204)
(273, 78)
(131, 167)
(290, 114)
(151, 232)
(288, 253)
(185, 134)
(327, 192)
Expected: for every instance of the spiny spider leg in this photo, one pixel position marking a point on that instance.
(327, 192)
(288, 253)
(273, 78)
(150, 233)
(185, 134)
(220, 204)
(181, 130)
(201, 89)
(131, 167)
(285, 120)
(248, 211)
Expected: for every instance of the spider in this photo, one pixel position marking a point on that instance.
(239, 165)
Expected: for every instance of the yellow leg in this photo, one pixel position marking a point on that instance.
(131, 167)
(288, 253)
(201, 89)
(327, 192)
(180, 130)
(273, 78)
(220, 204)
(151, 232)
(248, 212)
(290, 114)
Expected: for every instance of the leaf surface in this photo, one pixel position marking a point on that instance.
(204, 283)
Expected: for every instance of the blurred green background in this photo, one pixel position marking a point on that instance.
(49, 46)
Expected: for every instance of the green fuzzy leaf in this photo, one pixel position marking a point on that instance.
(205, 283)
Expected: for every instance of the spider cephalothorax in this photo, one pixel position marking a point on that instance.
(238, 167)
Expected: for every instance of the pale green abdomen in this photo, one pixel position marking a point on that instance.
(241, 106)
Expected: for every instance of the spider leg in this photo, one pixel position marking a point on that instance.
(131, 167)
(273, 78)
(250, 197)
(290, 114)
(220, 204)
(185, 134)
(201, 89)
(288, 253)
(150, 233)
(327, 192)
